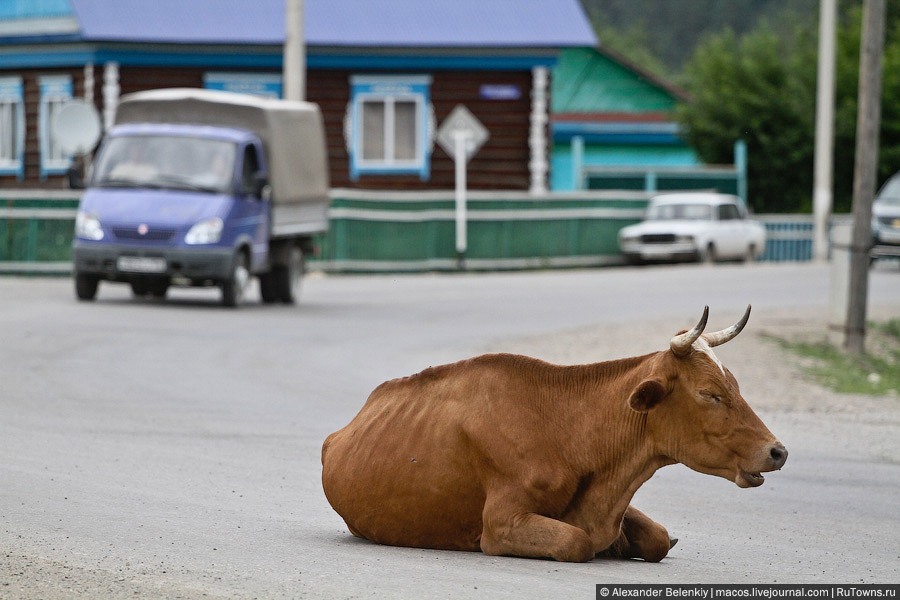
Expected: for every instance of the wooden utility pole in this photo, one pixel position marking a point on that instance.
(868, 122)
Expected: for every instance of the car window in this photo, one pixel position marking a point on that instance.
(890, 193)
(689, 212)
(728, 212)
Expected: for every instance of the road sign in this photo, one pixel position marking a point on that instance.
(461, 135)
(461, 122)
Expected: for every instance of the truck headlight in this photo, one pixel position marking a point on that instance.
(87, 226)
(207, 231)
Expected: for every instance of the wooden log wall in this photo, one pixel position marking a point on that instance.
(502, 163)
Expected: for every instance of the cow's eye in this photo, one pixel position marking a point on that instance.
(711, 396)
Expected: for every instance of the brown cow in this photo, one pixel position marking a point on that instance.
(515, 456)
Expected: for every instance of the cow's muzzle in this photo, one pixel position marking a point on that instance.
(777, 457)
(778, 453)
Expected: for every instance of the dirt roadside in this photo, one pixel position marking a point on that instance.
(770, 377)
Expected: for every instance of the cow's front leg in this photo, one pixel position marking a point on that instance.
(640, 537)
(532, 535)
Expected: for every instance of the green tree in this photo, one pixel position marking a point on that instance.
(761, 88)
(755, 88)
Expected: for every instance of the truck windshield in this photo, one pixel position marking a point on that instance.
(174, 162)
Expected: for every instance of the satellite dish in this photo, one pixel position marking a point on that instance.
(76, 128)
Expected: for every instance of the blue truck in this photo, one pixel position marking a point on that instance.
(203, 188)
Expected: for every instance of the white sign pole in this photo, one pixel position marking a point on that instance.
(460, 138)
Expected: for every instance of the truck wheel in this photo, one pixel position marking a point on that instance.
(287, 278)
(158, 288)
(233, 289)
(139, 288)
(86, 286)
(267, 288)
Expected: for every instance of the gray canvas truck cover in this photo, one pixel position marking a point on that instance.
(293, 134)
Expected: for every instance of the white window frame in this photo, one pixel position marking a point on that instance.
(12, 126)
(56, 91)
(389, 90)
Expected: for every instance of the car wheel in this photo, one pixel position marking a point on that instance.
(751, 254)
(234, 288)
(86, 286)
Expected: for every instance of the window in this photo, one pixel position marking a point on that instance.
(12, 127)
(56, 91)
(728, 212)
(389, 125)
(249, 170)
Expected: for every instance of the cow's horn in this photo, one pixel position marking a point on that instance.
(718, 338)
(681, 344)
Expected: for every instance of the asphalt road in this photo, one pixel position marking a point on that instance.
(171, 449)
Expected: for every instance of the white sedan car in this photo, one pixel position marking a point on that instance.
(702, 226)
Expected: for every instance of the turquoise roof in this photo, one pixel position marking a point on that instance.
(34, 9)
(586, 80)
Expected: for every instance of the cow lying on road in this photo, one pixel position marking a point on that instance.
(515, 456)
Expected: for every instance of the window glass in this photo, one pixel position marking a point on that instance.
(8, 131)
(373, 130)
(891, 191)
(12, 126)
(172, 162)
(728, 212)
(405, 130)
(56, 91)
(690, 212)
(250, 168)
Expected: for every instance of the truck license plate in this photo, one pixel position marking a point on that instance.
(141, 264)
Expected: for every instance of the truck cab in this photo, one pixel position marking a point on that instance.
(186, 190)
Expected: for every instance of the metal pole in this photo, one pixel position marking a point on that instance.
(865, 170)
(294, 59)
(822, 188)
(459, 157)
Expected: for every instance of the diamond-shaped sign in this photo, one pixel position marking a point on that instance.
(461, 122)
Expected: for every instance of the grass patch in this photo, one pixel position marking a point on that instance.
(877, 372)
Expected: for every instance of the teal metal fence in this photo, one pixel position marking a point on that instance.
(414, 231)
(788, 237)
(36, 231)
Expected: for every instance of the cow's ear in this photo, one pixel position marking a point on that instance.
(646, 395)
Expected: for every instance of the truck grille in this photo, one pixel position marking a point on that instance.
(151, 235)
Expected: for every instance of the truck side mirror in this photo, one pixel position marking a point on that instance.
(261, 187)
(74, 175)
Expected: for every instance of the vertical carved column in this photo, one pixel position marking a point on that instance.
(537, 138)
(110, 93)
(89, 83)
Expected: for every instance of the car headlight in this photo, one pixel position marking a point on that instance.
(684, 239)
(87, 226)
(207, 231)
